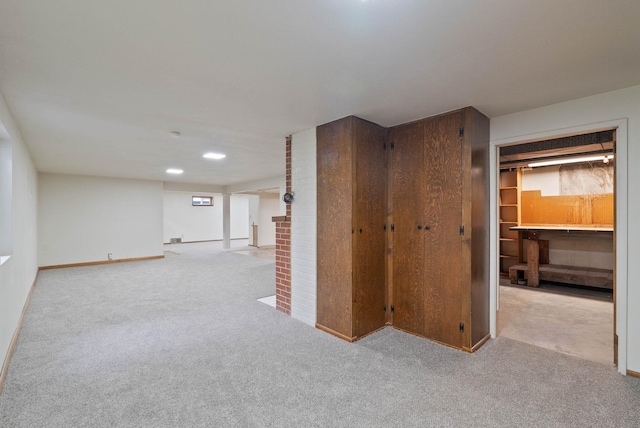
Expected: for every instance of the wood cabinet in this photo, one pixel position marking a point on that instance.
(402, 234)
(510, 216)
(439, 284)
(351, 213)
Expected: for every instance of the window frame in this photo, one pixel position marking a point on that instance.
(193, 199)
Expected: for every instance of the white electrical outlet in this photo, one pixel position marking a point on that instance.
(110, 256)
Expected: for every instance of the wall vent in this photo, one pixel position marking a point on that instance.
(176, 240)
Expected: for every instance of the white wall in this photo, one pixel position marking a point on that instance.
(82, 219)
(545, 179)
(182, 220)
(257, 185)
(202, 223)
(269, 208)
(19, 271)
(254, 215)
(594, 250)
(304, 226)
(239, 217)
(620, 109)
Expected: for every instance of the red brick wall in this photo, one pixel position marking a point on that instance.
(283, 248)
(283, 267)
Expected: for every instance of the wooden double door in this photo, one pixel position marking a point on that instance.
(427, 237)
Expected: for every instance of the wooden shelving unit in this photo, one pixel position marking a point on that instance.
(510, 215)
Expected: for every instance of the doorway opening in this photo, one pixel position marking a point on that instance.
(556, 246)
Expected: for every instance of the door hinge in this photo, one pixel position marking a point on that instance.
(461, 327)
(384, 308)
(392, 309)
(461, 230)
(385, 227)
(384, 146)
(393, 227)
(462, 131)
(393, 146)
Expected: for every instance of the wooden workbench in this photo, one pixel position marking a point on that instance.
(538, 249)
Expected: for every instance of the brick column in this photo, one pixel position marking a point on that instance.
(283, 266)
(283, 247)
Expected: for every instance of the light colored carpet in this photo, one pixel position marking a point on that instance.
(183, 342)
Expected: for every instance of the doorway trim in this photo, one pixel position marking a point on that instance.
(621, 225)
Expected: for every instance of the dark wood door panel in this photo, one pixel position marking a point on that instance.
(443, 218)
(407, 186)
(369, 235)
(334, 199)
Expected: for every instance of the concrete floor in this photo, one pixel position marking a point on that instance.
(578, 325)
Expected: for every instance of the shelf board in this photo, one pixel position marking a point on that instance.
(508, 222)
(508, 256)
(509, 205)
(509, 239)
(509, 188)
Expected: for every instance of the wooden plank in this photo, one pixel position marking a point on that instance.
(543, 251)
(602, 208)
(335, 333)
(513, 273)
(508, 178)
(16, 333)
(369, 215)
(388, 235)
(443, 210)
(567, 209)
(562, 228)
(101, 262)
(334, 226)
(408, 245)
(591, 277)
(533, 254)
(476, 137)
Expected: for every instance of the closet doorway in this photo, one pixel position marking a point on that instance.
(557, 225)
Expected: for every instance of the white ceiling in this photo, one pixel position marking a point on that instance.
(97, 86)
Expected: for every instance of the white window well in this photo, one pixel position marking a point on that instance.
(202, 201)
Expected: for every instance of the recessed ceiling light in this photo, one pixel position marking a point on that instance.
(174, 171)
(214, 156)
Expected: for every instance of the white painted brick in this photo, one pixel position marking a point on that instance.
(303, 226)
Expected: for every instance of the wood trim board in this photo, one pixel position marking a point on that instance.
(101, 262)
(633, 374)
(334, 333)
(16, 333)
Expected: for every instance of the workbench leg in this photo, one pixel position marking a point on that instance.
(513, 275)
(533, 260)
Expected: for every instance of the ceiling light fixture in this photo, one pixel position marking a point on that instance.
(214, 156)
(174, 171)
(604, 159)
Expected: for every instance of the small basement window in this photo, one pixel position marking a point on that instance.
(202, 201)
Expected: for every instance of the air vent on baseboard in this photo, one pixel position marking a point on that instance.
(176, 240)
